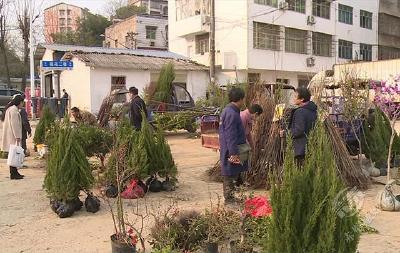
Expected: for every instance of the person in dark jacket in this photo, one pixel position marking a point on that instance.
(26, 129)
(137, 107)
(231, 135)
(301, 123)
(64, 103)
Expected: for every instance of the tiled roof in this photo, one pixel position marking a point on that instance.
(103, 50)
(119, 61)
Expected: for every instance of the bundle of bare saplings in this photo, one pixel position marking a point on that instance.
(268, 155)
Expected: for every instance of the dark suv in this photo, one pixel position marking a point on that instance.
(6, 96)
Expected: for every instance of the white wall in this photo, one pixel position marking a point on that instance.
(101, 83)
(197, 83)
(161, 35)
(280, 60)
(234, 38)
(77, 84)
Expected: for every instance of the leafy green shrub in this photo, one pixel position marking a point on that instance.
(47, 119)
(311, 212)
(172, 121)
(377, 138)
(68, 170)
(143, 153)
(190, 230)
(95, 141)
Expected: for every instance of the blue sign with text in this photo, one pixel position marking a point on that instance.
(57, 64)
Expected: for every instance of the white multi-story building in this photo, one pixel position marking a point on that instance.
(272, 40)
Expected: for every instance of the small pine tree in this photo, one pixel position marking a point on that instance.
(167, 167)
(377, 139)
(68, 170)
(47, 119)
(311, 212)
(95, 141)
(163, 91)
(124, 139)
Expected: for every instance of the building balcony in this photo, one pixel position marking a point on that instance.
(195, 25)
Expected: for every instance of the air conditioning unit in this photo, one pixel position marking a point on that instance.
(283, 5)
(310, 62)
(310, 20)
(152, 43)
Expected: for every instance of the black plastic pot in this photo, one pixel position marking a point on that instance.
(92, 203)
(155, 185)
(121, 247)
(111, 191)
(211, 247)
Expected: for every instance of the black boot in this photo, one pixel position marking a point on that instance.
(14, 175)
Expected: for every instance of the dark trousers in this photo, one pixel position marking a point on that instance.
(229, 184)
(23, 144)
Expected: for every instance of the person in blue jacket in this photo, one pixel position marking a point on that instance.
(232, 134)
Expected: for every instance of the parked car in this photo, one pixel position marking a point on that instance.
(6, 96)
(180, 101)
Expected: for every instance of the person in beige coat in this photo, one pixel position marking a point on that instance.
(12, 129)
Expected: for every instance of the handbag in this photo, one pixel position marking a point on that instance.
(244, 152)
(16, 156)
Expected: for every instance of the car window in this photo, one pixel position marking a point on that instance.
(181, 94)
(3, 92)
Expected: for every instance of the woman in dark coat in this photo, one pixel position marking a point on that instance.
(231, 135)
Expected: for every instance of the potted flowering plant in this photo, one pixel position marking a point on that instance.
(387, 99)
(126, 235)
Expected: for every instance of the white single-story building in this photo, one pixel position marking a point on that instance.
(97, 71)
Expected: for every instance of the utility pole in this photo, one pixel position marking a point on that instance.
(32, 61)
(212, 42)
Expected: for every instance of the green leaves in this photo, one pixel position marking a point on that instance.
(311, 212)
(88, 34)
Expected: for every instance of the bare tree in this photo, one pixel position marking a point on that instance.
(3, 37)
(112, 6)
(24, 10)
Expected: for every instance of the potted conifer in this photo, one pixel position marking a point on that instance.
(68, 171)
(47, 119)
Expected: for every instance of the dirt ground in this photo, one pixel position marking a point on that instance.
(27, 223)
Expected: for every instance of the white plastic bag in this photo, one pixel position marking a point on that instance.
(386, 200)
(15, 156)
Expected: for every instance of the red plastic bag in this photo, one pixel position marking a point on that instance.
(257, 207)
(133, 191)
